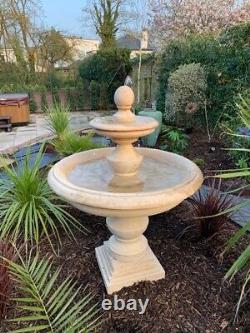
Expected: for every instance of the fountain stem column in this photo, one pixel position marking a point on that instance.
(126, 257)
(124, 160)
(127, 242)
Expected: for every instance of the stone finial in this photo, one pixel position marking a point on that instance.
(124, 99)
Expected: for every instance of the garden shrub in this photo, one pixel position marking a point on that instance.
(29, 209)
(94, 95)
(212, 204)
(173, 139)
(237, 35)
(12, 74)
(237, 140)
(33, 105)
(44, 103)
(242, 262)
(105, 71)
(70, 143)
(82, 94)
(70, 98)
(58, 119)
(55, 95)
(186, 94)
(52, 81)
(226, 60)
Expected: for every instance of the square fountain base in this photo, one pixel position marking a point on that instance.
(118, 274)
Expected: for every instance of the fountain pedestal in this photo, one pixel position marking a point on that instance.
(125, 185)
(126, 257)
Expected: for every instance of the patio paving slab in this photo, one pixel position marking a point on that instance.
(37, 130)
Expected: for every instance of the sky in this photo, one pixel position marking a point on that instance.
(65, 15)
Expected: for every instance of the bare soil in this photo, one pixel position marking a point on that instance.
(215, 158)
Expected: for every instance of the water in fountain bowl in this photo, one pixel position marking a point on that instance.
(154, 175)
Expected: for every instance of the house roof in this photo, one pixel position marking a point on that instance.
(132, 43)
(129, 42)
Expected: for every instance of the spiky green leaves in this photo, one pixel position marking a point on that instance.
(70, 143)
(46, 304)
(58, 119)
(29, 209)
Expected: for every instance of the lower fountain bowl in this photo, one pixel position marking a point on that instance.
(84, 179)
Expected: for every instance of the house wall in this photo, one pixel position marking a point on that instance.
(82, 47)
(8, 55)
(136, 53)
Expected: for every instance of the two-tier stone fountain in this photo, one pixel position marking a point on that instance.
(126, 185)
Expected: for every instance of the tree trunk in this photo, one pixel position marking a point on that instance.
(139, 78)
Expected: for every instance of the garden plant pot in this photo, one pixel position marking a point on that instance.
(151, 139)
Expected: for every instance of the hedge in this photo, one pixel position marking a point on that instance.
(226, 59)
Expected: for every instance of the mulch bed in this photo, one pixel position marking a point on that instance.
(215, 158)
(213, 153)
(191, 298)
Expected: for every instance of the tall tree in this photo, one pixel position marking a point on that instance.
(54, 48)
(105, 15)
(174, 18)
(17, 28)
(139, 10)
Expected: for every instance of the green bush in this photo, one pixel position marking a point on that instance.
(55, 96)
(33, 105)
(81, 94)
(186, 94)
(70, 143)
(226, 60)
(94, 95)
(239, 143)
(44, 103)
(71, 98)
(28, 207)
(173, 139)
(12, 74)
(52, 81)
(58, 119)
(105, 71)
(237, 35)
(242, 262)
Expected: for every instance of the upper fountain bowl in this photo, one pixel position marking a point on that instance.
(124, 123)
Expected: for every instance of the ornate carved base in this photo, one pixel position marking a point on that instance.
(119, 273)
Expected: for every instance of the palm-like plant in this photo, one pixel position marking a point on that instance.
(244, 258)
(70, 143)
(47, 305)
(28, 207)
(210, 203)
(244, 108)
(58, 119)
